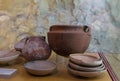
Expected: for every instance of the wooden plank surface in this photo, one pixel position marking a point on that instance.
(60, 75)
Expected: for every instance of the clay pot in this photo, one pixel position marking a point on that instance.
(33, 48)
(40, 67)
(67, 39)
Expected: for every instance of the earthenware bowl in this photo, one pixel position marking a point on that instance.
(7, 56)
(85, 73)
(86, 68)
(40, 67)
(85, 60)
(67, 39)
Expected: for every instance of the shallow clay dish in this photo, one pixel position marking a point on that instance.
(40, 67)
(85, 68)
(6, 56)
(85, 73)
(85, 60)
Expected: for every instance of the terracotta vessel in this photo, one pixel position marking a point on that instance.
(88, 74)
(67, 39)
(85, 60)
(33, 48)
(40, 67)
(8, 56)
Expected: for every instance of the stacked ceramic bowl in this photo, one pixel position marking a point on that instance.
(85, 65)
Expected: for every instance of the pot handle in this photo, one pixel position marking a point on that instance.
(87, 29)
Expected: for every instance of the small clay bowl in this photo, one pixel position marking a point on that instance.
(6, 56)
(85, 73)
(85, 60)
(85, 68)
(39, 67)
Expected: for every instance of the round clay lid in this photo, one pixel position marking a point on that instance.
(86, 60)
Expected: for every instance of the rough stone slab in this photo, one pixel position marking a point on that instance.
(7, 73)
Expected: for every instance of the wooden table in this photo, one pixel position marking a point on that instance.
(60, 75)
(114, 61)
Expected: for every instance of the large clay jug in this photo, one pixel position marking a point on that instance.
(67, 39)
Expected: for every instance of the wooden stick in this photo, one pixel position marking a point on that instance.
(108, 67)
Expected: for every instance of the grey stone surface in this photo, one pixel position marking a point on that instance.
(95, 13)
(35, 17)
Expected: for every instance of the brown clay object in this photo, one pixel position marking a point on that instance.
(33, 48)
(67, 39)
(85, 73)
(40, 67)
(6, 56)
(85, 60)
(86, 68)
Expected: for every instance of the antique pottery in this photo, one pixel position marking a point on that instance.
(7, 56)
(33, 48)
(88, 74)
(85, 60)
(67, 39)
(86, 68)
(40, 67)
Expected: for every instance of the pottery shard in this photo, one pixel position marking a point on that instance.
(33, 48)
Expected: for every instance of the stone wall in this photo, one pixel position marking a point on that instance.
(17, 20)
(21, 18)
(95, 13)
